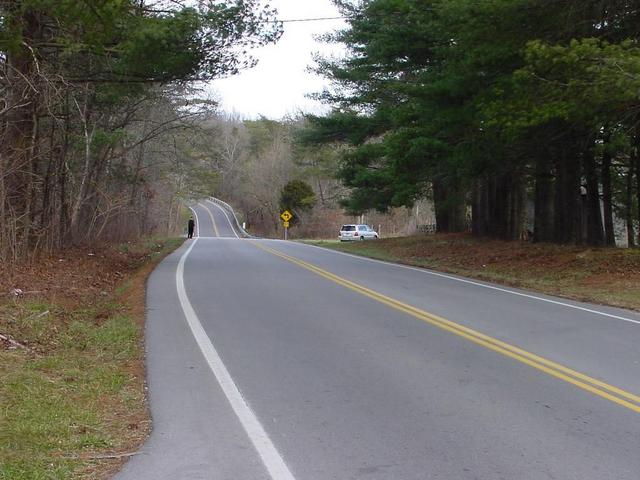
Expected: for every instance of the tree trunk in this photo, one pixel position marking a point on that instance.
(47, 201)
(607, 198)
(559, 205)
(18, 143)
(629, 203)
(85, 115)
(449, 209)
(595, 232)
(567, 207)
(498, 206)
(15, 151)
(574, 200)
(439, 204)
(480, 209)
(5, 237)
(29, 185)
(62, 175)
(637, 162)
(543, 213)
(516, 207)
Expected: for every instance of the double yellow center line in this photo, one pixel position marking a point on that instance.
(585, 382)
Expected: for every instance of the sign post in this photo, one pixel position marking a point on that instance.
(286, 216)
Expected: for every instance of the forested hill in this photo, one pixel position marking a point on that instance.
(92, 97)
(518, 118)
(491, 106)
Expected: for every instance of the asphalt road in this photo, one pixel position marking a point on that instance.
(271, 359)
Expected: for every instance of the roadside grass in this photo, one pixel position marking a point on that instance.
(72, 395)
(607, 276)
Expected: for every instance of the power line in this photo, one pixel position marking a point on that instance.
(298, 20)
(345, 17)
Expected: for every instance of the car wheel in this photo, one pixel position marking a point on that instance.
(361, 238)
(375, 237)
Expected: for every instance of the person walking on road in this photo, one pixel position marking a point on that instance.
(190, 227)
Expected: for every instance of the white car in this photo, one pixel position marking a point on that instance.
(357, 232)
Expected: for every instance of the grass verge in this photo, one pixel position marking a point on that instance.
(72, 396)
(607, 276)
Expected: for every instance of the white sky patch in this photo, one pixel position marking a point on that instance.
(277, 86)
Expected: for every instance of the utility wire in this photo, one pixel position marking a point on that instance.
(342, 17)
(298, 20)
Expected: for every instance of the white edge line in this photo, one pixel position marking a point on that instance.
(270, 456)
(471, 282)
(230, 208)
(225, 214)
(233, 229)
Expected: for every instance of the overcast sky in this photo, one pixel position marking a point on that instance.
(278, 84)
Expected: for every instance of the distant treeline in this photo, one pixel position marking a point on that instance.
(94, 108)
(490, 107)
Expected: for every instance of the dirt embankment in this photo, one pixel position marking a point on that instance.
(77, 275)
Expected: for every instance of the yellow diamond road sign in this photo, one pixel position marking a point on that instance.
(286, 215)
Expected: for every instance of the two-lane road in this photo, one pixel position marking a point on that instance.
(271, 359)
(213, 221)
